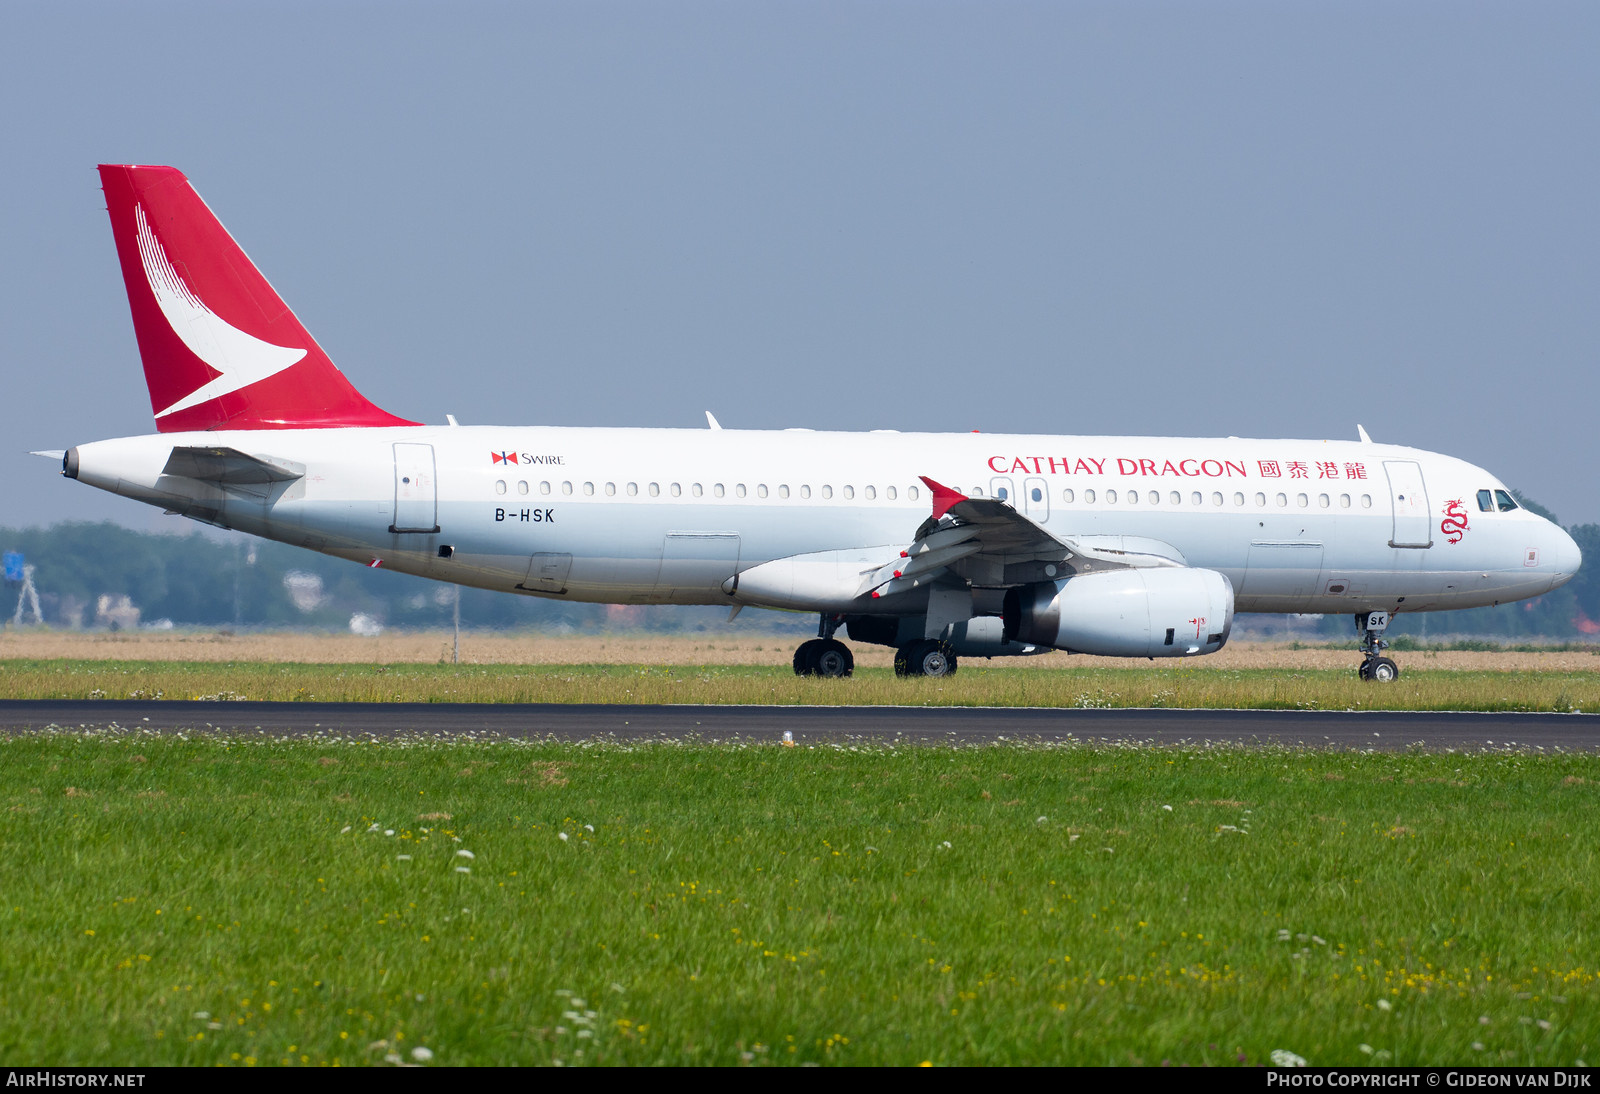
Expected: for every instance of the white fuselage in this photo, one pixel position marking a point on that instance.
(671, 516)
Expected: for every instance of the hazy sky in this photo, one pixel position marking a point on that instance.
(1271, 219)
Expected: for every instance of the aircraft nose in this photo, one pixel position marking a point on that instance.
(1561, 556)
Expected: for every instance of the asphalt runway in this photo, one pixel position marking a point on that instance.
(1383, 730)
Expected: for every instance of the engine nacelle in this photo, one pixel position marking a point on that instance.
(1165, 612)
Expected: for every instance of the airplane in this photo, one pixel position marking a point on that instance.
(941, 546)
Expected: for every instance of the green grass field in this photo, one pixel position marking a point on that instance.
(978, 684)
(199, 901)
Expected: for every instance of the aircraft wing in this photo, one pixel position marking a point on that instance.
(988, 542)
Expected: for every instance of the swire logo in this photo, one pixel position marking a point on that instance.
(504, 457)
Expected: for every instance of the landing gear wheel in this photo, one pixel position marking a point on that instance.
(823, 657)
(805, 658)
(925, 658)
(1381, 670)
(833, 659)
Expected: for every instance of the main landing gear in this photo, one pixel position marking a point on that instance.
(929, 657)
(824, 655)
(1374, 666)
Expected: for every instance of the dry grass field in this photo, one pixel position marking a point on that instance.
(427, 647)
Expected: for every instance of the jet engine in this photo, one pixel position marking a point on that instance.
(1161, 612)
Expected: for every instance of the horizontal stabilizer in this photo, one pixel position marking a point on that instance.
(229, 465)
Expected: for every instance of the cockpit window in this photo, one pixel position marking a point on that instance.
(1485, 501)
(1507, 502)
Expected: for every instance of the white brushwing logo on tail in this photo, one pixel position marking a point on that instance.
(242, 359)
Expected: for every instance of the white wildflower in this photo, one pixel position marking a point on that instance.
(402, 858)
(422, 1054)
(464, 853)
(1283, 935)
(388, 831)
(463, 869)
(590, 827)
(1364, 1047)
(345, 829)
(1282, 1057)
(1040, 820)
(563, 836)
(1168, 808)
(1384, 1004)
(202, 1014)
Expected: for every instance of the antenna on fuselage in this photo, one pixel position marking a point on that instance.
(711, 421)
(1361, 431)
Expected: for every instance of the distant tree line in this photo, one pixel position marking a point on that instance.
(84, 571)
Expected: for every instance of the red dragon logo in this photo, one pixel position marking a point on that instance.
(1454, 524)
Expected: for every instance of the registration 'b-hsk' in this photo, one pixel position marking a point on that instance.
(941, 546)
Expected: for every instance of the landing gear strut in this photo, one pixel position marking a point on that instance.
(824, 655)
(929, 657)
(1375, 666)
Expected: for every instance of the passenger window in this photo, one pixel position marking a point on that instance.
(783, 491)
(1323, 501)
(1261, 500)
(633, 489)
(805, 491)
(611, 489)
(827, 491)
(912, 493)
(1066, 496)
(718, 490)
(1344, 501)
(655, 490)
(522, 487)
(1282, 500)
(1216, 498)
(1507, 502)
(849, 493)
(677, 491)
(588, 488)
(739, 490)
(500, 486)
(1366, 501)
(1111, 497)
(761, 490)
(889, 493)
(1036, 494)
(1238, 498)
(566, 488)
(1155, 497)
(1088, 497)
(869, 493)
(696, 490)
(1485, 501)
(1301, 500)
(544, 488)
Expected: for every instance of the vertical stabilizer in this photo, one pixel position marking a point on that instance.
(221, 350)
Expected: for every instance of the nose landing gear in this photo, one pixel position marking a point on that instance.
(1375, 666)
(824, 655)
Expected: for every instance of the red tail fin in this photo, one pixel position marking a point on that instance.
(220, 349)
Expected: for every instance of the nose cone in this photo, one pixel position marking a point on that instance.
(1561, 555)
